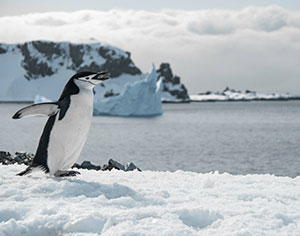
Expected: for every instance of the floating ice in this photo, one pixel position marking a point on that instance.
(141, 98)
(41, 99)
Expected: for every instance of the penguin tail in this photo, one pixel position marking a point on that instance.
(25, 172)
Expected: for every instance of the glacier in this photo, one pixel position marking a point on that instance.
(147, 203)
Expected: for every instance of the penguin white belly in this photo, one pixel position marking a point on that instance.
(69, 134)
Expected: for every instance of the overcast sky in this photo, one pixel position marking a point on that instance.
(17, 7)
(242, 44)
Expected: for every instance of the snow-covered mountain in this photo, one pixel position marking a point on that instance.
(43, 67)
(234, 95)
(173, 90)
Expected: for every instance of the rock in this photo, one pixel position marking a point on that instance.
(76, 165)
(20, 157)
(173, 90)
(32, 65)
(88, 165)
(2, 50)
(26, 158)
(110, 93)
(5, 158)
(112, 164)
(23, 158)
(130, 167)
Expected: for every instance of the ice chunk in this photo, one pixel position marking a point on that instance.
(41, 99)
(141, 98)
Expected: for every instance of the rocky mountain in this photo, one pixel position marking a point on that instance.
(43, 67)
(173, 90)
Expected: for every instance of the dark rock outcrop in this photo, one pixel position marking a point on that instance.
(2, 50)
(86, 165)
(34, 67)
(173, 89)
(117, 66)
(112, 164)
(110, 93)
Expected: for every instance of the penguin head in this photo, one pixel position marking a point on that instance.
(90, 79)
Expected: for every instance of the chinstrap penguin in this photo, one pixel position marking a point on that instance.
(67, 127)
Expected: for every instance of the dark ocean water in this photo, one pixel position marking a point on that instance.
(234, 137)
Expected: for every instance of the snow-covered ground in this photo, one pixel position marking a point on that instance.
(148, 203)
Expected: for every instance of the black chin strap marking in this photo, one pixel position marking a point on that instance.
(91, 83)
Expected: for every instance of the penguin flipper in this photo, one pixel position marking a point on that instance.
(44, 109)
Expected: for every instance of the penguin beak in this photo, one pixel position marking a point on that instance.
(101, 76)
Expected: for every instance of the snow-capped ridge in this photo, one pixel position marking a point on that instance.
(229, 94)
(44, 58)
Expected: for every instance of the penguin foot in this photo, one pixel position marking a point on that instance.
(25, 172)
(66, 173)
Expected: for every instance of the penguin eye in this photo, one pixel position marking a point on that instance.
(86, 78)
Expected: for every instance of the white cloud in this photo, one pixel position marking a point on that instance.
(255, 48)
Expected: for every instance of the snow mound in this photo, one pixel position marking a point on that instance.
(141, 98)
(234, 95)
(147, 203)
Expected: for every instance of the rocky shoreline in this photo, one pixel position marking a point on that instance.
(232, 95)
(26, 158)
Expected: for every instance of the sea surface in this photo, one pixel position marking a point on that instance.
(235, 137)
